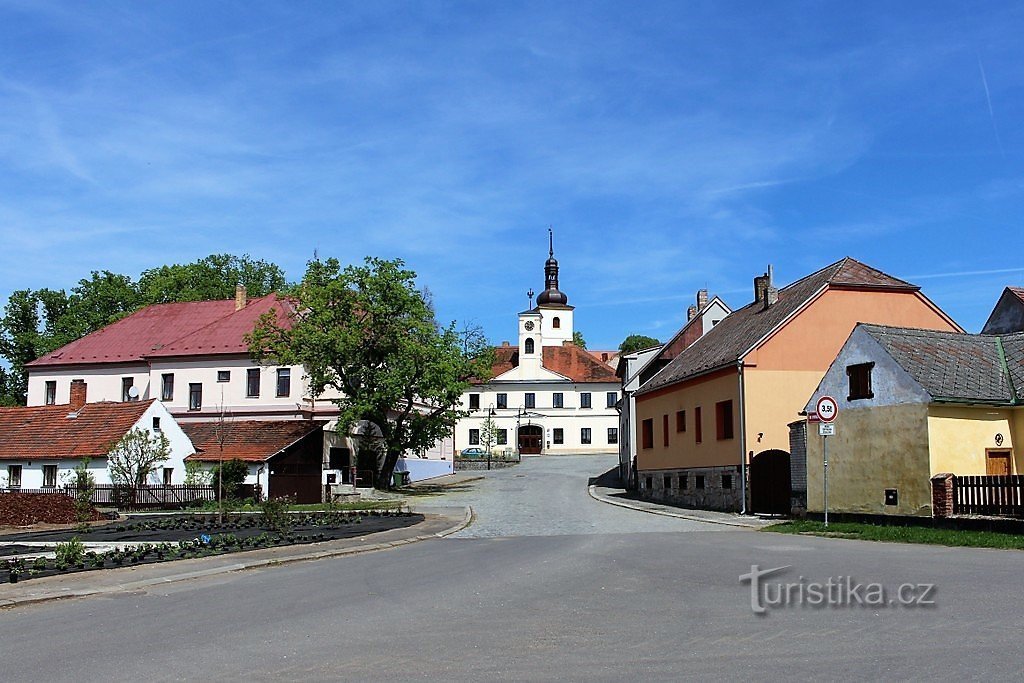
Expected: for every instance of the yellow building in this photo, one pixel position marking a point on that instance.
(716, 418)
(914, 404)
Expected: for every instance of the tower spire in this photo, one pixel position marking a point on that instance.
(551, 243)
(551, 293)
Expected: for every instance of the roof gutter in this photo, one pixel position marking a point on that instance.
(743, 439)
(1006, 369)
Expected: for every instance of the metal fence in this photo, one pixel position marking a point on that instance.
(170, 497)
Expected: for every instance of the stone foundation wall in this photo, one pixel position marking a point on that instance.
(482, 464)
(704, 488)
(798, 467)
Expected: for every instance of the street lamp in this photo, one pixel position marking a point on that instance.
(490, 433)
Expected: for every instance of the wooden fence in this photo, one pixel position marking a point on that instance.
(1000, 496)
(170, 497)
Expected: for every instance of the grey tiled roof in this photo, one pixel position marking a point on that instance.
(741, 329)
(957, 367)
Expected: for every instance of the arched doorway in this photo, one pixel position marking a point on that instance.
(770, 483)
(531, 438)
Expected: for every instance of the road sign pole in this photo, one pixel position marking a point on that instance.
(824, 449)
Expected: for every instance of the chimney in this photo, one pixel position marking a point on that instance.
(771, 292)
(77, 398)
(240, 297)
(760, 287)
(691, 313)
(505, 343)
(702, 299)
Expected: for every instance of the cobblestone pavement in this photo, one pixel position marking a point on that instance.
(547, 496)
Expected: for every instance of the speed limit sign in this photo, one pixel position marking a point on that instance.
(827, 408)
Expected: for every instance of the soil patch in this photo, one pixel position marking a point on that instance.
(24, 509)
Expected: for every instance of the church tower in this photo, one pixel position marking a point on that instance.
(552, 304)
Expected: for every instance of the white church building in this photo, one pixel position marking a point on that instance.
(546, 396)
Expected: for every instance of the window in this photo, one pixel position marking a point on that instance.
(474, 401)
(284, 382)
(726, 481)
(474, 437)
(14, 476)
(529, 346)
(649, 483)
(613, 435)
(664, 430)
(585, 435)
(168, 471)
(611, 399)
(667, 481)
(556, 400)
(699, 481)
(195, 396)
(680, 420)
(698, 434)
(530, 400)
(647, 433)
(167, 386)
(49, 476)
(556, 323)
(558, 435)
(223, 375)
(860, 381)
(51, 393)
(126, 388)
(252, 383)
(502, 437)
(156, 424)
(502, 401)
(683, 481)
(723, 420)
(585, 399)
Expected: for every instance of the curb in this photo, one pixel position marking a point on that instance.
(6, 603)
(665, 513)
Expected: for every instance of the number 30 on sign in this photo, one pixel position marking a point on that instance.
(827, 408)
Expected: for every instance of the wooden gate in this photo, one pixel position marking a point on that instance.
(531, 439)
(770, 483)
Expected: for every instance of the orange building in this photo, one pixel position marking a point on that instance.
(712, 426)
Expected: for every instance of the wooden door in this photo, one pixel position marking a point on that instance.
(531, 438)
(998, 463)
(770, 483)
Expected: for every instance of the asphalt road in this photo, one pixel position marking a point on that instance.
(583, 597)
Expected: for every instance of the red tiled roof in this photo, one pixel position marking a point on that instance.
(568, 360)
(1017, 292)
(46, 432)
(208, 326)
(249, 440)
(226, 334)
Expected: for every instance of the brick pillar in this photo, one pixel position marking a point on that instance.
(942, 495)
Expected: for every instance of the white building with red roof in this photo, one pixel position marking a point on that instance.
(546, 395)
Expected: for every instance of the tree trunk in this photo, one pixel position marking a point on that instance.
(387, 469)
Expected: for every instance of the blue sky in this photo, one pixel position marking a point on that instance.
(672, 145)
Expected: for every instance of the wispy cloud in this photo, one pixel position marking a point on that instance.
(991, 112)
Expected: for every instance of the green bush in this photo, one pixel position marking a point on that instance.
(70, 553)
(233, 474)
(274, 514)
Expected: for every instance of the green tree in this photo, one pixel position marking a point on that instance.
(636, 342)
(578, 340)
(488, 433)
(21, 340)
(136, 455)
(212, 277)
(367, 332)
(231, 474)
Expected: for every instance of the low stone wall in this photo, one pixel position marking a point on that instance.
(482, 464)
(703, 488)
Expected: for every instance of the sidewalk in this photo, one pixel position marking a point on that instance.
(615, 496)
(439, 522)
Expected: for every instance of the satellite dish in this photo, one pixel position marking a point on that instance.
(133, 392)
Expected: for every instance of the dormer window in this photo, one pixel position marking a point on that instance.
(529, 346)
(556, 322)
(860, 381)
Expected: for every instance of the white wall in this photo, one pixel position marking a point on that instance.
(103, 383)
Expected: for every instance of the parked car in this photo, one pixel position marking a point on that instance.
(473, 452)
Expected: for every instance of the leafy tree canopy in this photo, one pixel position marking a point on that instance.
(367, 335)
(578, 340)
(213, 277)
(636, 342)
(136, 455)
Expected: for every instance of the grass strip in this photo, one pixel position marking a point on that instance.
(902, 534)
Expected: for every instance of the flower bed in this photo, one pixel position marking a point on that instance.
(24, 509)
(185, 536)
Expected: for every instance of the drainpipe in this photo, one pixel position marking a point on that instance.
(743, 440)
